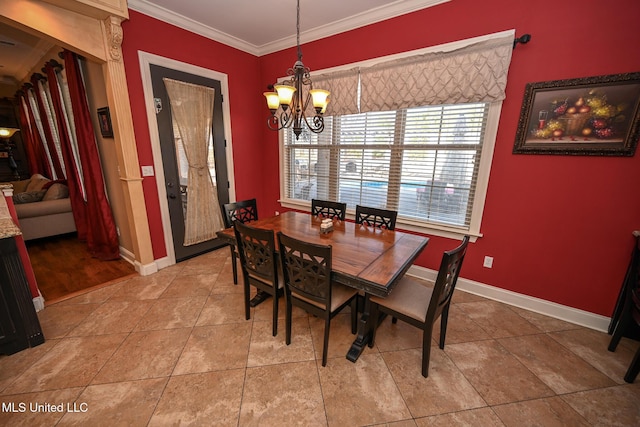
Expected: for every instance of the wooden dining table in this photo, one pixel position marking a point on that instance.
(363, 257)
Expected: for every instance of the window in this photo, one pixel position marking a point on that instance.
(422, 162)
(430, 163)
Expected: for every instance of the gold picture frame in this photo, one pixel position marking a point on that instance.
(594, 116)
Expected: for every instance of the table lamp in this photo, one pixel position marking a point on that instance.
(7, 130)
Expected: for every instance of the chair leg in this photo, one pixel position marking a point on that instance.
(325, 345)
(625, 319)
(394, 320)
(275, 313)
(247, 308)
(426, 351)
(234, 265)
(634, 368)
(444, 317)
(288, 320)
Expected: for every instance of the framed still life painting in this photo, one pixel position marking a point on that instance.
(598, 116)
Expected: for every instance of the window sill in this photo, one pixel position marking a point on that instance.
(401, 223)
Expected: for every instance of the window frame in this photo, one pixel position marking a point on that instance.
(485, 161)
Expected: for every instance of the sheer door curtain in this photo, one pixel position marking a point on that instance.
(192, 111)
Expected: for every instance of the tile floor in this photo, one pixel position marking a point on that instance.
(174, 348)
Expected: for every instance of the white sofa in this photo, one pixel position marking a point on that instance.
(43, 207)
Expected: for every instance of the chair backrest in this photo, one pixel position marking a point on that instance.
(256, 247)
(242, 211)
(446, 280)
(333, 210)
(374, 217)
(306, 268)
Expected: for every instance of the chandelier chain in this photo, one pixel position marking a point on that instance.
(298, 32)
(288, 104)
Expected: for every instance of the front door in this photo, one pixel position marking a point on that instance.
(174, 160)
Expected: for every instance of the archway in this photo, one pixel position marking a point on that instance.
(95, 32)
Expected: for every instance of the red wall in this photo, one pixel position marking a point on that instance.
(559, 227)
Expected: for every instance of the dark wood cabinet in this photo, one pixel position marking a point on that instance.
(19, 325)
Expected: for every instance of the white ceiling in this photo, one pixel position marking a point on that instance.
(264, 26)
(254, 26)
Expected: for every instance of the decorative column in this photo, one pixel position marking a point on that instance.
(128, 164)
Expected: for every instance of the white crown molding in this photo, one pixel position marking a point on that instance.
(372, 16)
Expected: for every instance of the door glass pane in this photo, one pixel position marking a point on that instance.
(183, 167)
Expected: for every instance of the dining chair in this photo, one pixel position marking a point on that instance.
(256, 248)
(242, 211)
(375, 217)
(307, 284)
(629, 318)
(419, 305)
(325, 208)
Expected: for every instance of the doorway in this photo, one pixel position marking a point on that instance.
(171, 188)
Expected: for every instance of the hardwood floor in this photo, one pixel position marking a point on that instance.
(63, 267)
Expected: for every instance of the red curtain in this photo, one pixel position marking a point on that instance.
(76, 196)
(102, 238)
(41, 164)
(28, 138)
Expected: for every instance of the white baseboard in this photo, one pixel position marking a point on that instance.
(164, 262)
(537, 305)
(144, 269)
(38, 303)
(153, 267)
(127, 255)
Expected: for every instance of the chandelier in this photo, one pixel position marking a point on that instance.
(288, 103)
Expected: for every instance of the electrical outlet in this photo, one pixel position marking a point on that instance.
(488, 262)
(277, 212)
(147, 170)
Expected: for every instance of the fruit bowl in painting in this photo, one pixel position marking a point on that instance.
(574, 123)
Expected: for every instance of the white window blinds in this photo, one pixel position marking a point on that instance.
(422, 162)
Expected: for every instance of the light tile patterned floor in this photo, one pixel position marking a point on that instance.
(174, 349)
